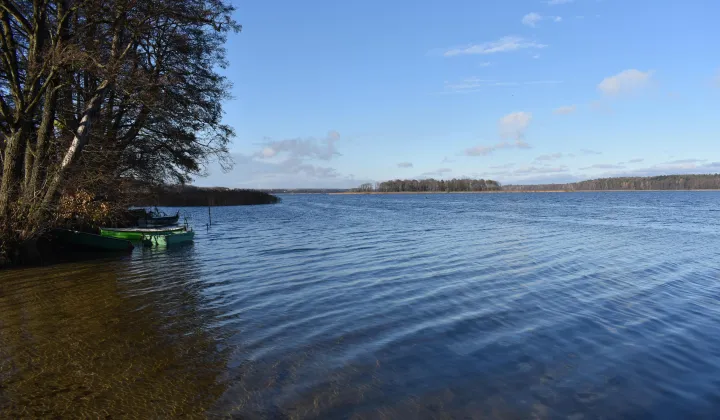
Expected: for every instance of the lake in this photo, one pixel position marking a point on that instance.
(577, 305)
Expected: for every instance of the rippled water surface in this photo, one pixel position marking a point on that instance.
(397, 306)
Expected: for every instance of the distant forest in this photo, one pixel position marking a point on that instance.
(432, 185)
(664, 182)
(190, 196)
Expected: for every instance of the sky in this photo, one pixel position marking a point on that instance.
(332, 94)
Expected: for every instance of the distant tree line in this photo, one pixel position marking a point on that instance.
(664, 182)
(432, 185)
(189, 196)
(305, 190)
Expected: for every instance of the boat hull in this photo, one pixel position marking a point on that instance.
(136, 234)
(91, 242)
(168, 239)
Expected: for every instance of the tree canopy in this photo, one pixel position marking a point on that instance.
(94, 91)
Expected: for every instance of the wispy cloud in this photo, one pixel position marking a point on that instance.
(565, 110)
(669, 169)
(636, 160)
(505, 44)
(558, 2)
(514, 126)
(485, 64)
(539, 170)
(405, 165)
(626, 81)
(603, 166)
(486, 150)
(601, 107)
(532, 19)
(324, 149)
(550, 157)
(474, 84)
(505, 166)
(684, 161)
(511, 127)
(590, 152)
(447, 160)
(437, 172)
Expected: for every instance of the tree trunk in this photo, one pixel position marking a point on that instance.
(9, 181)
(79, 141)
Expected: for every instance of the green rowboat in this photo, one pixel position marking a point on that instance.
(136, 234)
(168, 239)
(90, 242)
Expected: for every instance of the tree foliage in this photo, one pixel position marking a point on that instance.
(434, 185)
(663, 182)
(93, 91)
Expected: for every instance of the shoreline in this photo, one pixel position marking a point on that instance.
(506, 192)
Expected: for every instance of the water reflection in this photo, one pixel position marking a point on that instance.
(108, 338)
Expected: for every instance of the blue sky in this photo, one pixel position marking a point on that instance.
(336, 93)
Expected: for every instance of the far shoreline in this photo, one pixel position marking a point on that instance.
(503, 192)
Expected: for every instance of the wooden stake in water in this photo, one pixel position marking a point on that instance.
(209, 217)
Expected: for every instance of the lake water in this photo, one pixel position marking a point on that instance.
(585, 305)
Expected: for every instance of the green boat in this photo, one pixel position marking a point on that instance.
(90, 241)
(168, 238)
(136, 234)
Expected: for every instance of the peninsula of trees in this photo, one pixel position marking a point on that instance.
(190, 196)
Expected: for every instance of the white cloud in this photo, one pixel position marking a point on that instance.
(324, 149)
(405, 165)
(505, 44)
(635, 160)
(590, 152)
(485, 64)
(565, 110)
(550, 157)
(531, 19)
(557, 2)
(514, 125)
(625, 82)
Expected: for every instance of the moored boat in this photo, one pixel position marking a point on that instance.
(137, 233)
(168, 238)
(156, 219)
(90, 241)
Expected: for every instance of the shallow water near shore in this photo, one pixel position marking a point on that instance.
(593, 305)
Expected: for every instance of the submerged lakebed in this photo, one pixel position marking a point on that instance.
(485, 305)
